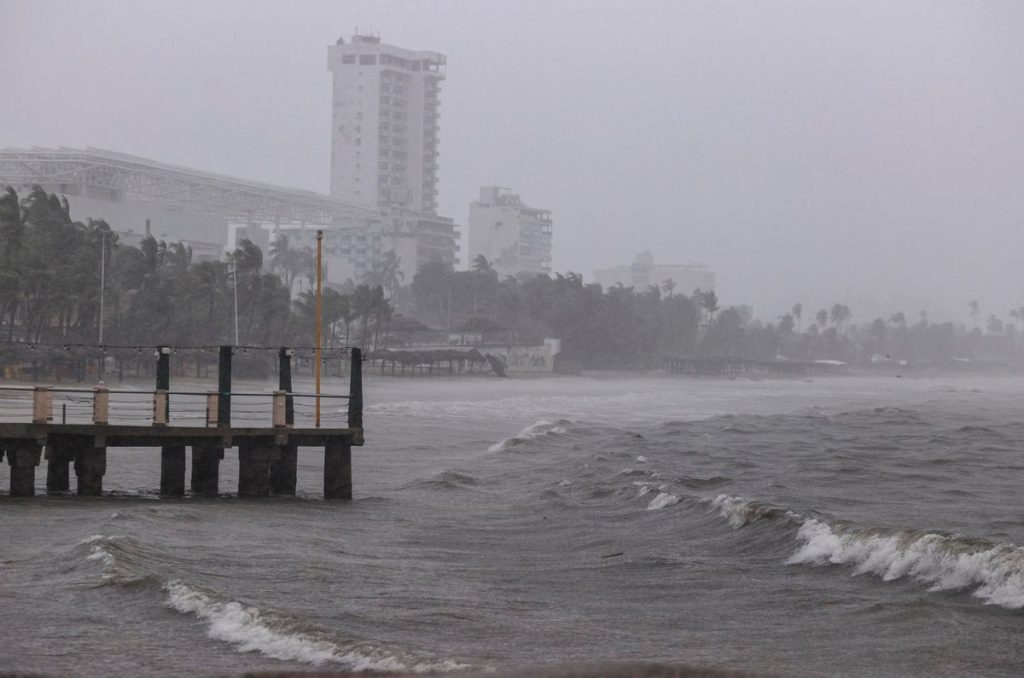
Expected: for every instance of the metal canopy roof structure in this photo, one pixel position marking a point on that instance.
(96, 173)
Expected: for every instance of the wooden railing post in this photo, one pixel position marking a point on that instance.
(100, 405)
(160, 406)
(280, 409)
(212, 402)
(42, 405)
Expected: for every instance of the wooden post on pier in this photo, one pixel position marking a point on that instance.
(338, 453)
(206, 458)
(355, 393)
(172, 457)
(224, 386)
(284, 470)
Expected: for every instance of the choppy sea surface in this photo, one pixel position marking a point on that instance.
(836, 526)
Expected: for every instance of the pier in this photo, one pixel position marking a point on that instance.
(264, 429)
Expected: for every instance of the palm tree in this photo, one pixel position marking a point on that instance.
(362, 307)
(248, 257)
(668, 286)
(290, 262)
(821, 318)
(839, 314)
(797, 313)
(975, 311)
(386, 271)
(481, 265)
(707, 301)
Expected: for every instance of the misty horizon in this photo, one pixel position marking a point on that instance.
(866, 154)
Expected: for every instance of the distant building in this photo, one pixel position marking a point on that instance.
(384, 146)
(140, 197)
(514, 237)
(643, 272)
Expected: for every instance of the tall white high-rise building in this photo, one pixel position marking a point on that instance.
(384, 152)
(514, 237)
(384, 136)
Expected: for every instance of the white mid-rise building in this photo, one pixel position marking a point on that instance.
(670, 278)
(514, 237)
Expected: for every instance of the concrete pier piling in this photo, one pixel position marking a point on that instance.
(23, 457)
(284, 470)
(254, 460)
(60, 452)
(206, 470)
(90, 467)
(337, 470)
(172, 471)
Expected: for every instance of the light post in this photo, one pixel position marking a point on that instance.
(319, 314)
(103, 287)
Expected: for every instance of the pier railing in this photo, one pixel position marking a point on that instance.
(102, 405)
(75, 426)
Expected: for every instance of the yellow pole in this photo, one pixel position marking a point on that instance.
(319, 314)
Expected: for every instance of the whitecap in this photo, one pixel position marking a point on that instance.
(255, 631)
(663, 500)
(994, 571)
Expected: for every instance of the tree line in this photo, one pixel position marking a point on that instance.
(154, 293)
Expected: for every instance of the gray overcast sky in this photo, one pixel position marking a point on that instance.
(867, 152)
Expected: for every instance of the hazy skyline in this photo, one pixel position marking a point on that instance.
(805, 151)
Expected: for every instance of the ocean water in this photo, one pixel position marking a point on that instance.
(835, 526)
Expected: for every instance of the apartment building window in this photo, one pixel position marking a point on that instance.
(367, 59)
(348, 58)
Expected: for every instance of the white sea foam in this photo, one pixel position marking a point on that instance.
(641, 459)
(733, 509)
(741, 512)
(98, 552)
(946, 562)
(254, 631)
(532, 432)
(663, 500)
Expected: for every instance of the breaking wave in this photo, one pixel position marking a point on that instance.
(663, 500)
(277, 637)
(991, 571)
(532, 432)
(247, 627)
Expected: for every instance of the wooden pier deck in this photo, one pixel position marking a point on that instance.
(267, 454)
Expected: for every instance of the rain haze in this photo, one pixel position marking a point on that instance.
(868, 153)
(261, 414)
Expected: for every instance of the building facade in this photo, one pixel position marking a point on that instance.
(514, 237)
(643, 273)
(385, 123)
(384, 151)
